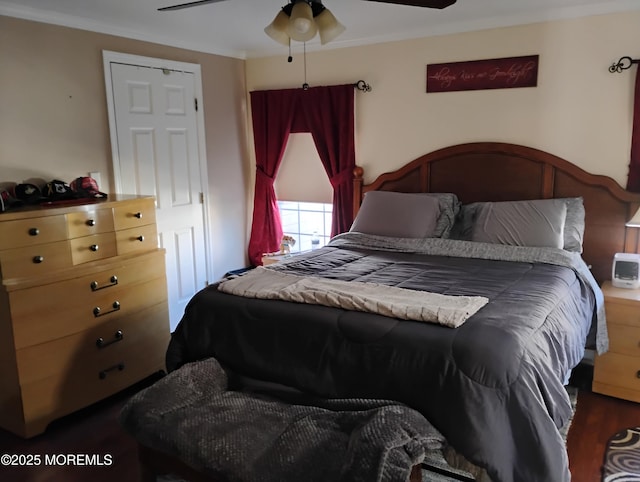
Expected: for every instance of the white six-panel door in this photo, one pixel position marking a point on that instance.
(156, 129)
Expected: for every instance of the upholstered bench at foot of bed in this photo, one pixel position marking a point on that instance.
(189, 424)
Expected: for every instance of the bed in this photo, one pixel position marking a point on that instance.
(491, 377)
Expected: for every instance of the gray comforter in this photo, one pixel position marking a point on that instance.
(493, 386)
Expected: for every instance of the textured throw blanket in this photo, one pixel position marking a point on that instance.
(405, 304)
(248, 437)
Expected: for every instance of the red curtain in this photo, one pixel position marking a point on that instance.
(329, 114)
(326, 112)
(272, 113)
(633, 182)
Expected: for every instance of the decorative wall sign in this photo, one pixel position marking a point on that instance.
(505, 73)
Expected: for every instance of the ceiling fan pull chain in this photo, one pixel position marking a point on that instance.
(305, 86)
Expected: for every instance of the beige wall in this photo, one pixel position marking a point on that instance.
(54, 124)
(53, 118)
(578, 111)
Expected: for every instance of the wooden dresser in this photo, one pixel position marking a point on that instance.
(617, 372)
(83, 307)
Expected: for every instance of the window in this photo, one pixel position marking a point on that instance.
(303, 182)
(305, 222)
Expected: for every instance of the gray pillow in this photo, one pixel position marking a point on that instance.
(396, 214)
(466, 218)
(537, 223)
(449, 207)
(573, 225)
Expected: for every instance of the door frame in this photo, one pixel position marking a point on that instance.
(109, 57)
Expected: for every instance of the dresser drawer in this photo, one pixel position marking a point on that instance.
(624, 339)
(618, 370)
(100, 347)
(48, 317)
(121, 275)
(35, 260)
(86, 223)
(134, 213)
(93, 248)
(66, 375)
(141, 238)
(622, 312)
(28, 232)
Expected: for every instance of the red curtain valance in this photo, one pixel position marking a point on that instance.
(328, 114)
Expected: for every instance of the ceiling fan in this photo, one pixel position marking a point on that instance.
(300, 20)
(416, 3)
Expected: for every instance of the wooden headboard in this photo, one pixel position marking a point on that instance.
(492, 171)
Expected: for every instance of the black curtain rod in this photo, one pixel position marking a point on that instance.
(623, 64)
(360, 85)
(363, 86)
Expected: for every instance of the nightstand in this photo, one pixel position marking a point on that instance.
(272, 258)
(617, 372)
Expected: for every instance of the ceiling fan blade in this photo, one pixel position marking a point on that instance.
(187, 5)
(420, 3)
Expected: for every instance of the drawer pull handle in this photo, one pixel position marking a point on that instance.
(34, 232)
(98, 312)
(103, 374)
(138, 215)
(95, 287)
(140, 238)
(94, 247)
(118, 336)
(38, 259)
(638, 374)
(91, 222)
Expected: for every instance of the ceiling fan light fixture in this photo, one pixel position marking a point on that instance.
(301, 24)
(328, 26)
(301, 20)
(277, 29)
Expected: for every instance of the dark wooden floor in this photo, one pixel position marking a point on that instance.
(92, 431)
(96, 432)
(597, 418)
